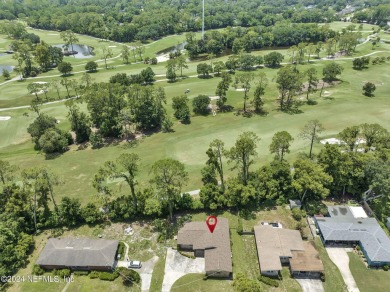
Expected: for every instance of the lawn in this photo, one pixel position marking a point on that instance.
(195, 283)
(368, 280)
(158, 274)
(333, 279)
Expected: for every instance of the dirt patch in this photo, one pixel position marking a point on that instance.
(319, 85)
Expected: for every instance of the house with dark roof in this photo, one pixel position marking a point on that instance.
(350, 226)
(78, 254)
(277, 247)
(214, 247)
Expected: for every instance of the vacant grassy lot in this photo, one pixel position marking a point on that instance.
(368, 279)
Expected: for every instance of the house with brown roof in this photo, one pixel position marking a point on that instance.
(214, 247)
(78, 254)
(278, 246)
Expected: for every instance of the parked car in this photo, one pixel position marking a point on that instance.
(135, 264)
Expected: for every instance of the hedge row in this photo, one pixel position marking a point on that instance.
(106, 276)
(268, 281)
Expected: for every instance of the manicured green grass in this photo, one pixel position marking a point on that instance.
(333, 279)
(342, 105)
(368, 280)
(85, 284)
(195, 283)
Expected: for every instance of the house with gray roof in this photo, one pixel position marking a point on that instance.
(349, 226)
(78, 254)
(214, 247)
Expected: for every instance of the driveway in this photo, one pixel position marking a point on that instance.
(145, 272)
(310, 285)
(340, 258)
(176, 266)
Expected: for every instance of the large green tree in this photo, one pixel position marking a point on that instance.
(126, 167)
(311, 132)
(69, 37)
(169, 176)
(242, 154)
(310, 181)
(244, 81)
(280, 144)
(289, 83)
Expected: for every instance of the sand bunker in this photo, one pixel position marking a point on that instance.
(5, 118)
(331, 141)
(162, 58)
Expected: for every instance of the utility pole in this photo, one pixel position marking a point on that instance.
(202, 19)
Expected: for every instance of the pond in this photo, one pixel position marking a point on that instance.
(8, 67)
(79, 51)
(172, 49)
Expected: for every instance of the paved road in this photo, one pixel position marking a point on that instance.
(176, 266)
(311, 285)
(340, 258)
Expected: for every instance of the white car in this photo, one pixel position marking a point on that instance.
(135, 264)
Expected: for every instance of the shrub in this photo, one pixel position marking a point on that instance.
(385, 267)
(242, 283)
(63, 273)
(240, 227)
(106, 276)
(37, 270)
(322, 277)
(129, 276)
(167, 125)
(94, 275)
(200, 104)
(296, 213)
(6, 74)
(53, 141)
(268, 281)
(96, 140)
(81, 273)
(121, 249)
(91, 66)
(187, 255)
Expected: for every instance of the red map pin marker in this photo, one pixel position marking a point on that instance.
(211, 222)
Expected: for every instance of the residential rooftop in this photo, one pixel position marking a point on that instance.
(306, 261)
(218, 255)
(78, 252)
(273, 243)
(343, 225)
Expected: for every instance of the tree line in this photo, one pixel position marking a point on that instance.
(359, 163)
